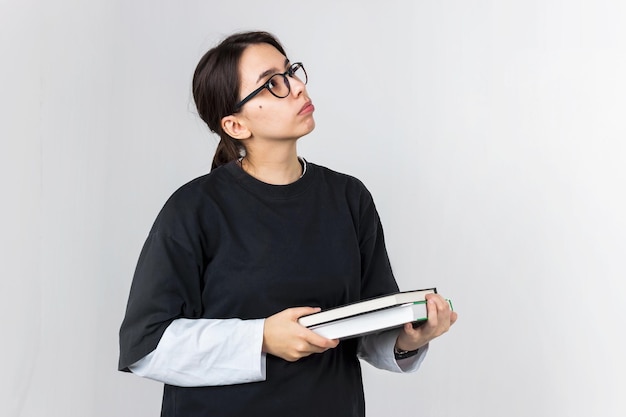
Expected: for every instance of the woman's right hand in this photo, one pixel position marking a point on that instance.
(284, 337)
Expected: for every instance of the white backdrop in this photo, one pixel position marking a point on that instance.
(491, 135)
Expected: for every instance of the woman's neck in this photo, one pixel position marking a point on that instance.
(273, 167)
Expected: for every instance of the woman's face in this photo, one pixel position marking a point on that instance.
(266, 116)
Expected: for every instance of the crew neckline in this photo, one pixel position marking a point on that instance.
(271, 190)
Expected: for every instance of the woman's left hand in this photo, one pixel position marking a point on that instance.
(440, 318)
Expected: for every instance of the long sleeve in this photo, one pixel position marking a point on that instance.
(206, 352)
(377, 350)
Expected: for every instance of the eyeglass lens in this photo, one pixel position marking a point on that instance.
(279, 83)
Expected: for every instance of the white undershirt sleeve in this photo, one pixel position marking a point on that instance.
(205, 352)
(377, 350)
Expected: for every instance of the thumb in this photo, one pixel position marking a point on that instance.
(298, 312)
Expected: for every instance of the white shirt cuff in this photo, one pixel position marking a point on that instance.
(377, 350)
(204, 352)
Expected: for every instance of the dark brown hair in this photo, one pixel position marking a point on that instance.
(216, 87)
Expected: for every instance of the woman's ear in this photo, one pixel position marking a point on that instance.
(234, 128)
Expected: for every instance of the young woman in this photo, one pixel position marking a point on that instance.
(235, 257)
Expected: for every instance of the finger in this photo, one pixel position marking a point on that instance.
(297, 312)
(444, 309)
(306, 348)
(409, 329)
(432, 309)
(318, 349)
(453, 317)
(439, 301)
(320, 341)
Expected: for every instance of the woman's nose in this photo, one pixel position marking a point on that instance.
(297, 86)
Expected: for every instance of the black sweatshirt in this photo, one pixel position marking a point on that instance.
(226, 245)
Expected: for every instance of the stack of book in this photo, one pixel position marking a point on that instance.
(371, 315)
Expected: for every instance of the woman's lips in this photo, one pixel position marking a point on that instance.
(307, 108)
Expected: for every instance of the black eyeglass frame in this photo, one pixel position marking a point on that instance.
(290, 72)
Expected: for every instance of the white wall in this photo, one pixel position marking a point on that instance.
(490, 133)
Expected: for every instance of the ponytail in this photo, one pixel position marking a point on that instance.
(227, 150)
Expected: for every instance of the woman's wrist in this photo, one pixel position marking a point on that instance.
(403, 354)
(407, 344)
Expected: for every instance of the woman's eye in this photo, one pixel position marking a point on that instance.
(271, 84)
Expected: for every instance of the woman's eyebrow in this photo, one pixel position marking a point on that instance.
(271, 71)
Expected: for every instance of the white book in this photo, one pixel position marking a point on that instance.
(365, 306)
(374, 321)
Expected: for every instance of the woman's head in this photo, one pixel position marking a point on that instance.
(217, 83)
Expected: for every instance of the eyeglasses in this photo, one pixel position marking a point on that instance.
(278, 84)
